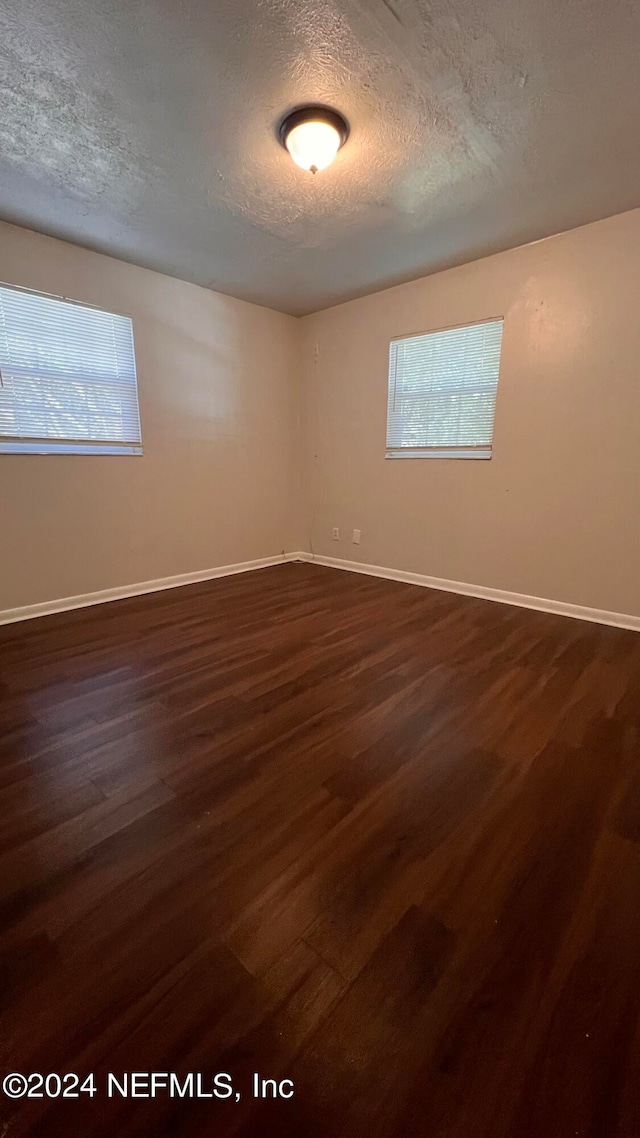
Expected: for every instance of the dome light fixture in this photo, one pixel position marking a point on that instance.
(313, 136)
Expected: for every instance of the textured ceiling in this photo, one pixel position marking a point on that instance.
(146, 129)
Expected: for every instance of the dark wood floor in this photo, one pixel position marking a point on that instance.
(376, 839)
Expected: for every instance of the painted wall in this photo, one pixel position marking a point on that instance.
(556, 512)
(218, 388)
(229, 474)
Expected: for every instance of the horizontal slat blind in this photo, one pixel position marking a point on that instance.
(442, 392)
(67, 377)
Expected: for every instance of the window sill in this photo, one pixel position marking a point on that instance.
(440, 452)
(66, 448)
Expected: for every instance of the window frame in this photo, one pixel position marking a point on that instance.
(12, 445)
(481, 451)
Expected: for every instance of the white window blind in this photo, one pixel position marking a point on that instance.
(442, 392)
(67, 378)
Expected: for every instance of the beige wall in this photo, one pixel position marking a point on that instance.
(228, 476)
(556, 512)
(218, 394)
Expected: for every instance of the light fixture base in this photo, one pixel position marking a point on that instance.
(315, 112)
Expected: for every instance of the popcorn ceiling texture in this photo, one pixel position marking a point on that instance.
(146, 129)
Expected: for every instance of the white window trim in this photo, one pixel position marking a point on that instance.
(55, 446)
(483, 452)
(12, 445)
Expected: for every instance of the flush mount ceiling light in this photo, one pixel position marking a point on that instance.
(313, 136)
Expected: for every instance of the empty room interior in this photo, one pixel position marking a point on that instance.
(319, 569)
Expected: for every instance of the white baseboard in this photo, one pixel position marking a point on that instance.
(84, 600)
(521, 600)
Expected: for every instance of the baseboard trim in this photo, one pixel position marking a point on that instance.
(103, 596)
(484, 592)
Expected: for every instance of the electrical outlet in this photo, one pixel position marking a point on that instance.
(356, 537)
(335, 533)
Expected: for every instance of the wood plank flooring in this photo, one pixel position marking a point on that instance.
(378, 840)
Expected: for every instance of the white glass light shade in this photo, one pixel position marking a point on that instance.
(313, 145)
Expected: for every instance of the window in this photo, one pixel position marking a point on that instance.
(442, 392)
(67, 378)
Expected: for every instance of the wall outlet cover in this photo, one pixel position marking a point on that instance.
(356, 537)
(335, 533)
